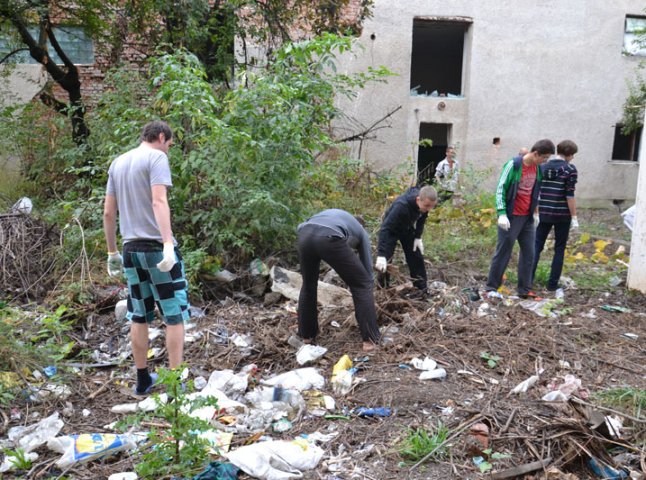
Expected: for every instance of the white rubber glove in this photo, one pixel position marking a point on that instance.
(381, 264)
(574, 223)
(503, 222)
(115, 264)
(169, 258)
(418, 245)
(537, 220)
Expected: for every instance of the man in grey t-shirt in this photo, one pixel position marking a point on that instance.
(136, 191)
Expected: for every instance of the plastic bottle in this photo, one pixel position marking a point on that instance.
(373, 412)
(278, 393)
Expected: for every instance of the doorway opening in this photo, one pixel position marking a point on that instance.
(428, 157)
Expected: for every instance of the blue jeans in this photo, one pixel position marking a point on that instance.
(561, 233)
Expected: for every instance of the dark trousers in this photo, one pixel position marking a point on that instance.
(414, 260)
(561, 234)
(315, 245)
(521, 229)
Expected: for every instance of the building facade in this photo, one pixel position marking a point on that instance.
(469, 73)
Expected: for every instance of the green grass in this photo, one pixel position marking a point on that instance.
(420, 442)
(627, 399)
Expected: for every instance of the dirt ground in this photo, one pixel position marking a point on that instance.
(448, 327)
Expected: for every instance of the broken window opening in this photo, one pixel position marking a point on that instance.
(437, 57)
(634, 31)
(429, 157)
(626, 147)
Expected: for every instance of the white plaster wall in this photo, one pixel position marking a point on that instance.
(533, 69)
(20, 83)
(637, 266)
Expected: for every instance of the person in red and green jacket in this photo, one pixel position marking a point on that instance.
(517, 207)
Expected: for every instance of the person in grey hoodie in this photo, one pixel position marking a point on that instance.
(333, 236)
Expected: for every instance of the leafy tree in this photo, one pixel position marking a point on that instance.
(633, 117)
(17, 16)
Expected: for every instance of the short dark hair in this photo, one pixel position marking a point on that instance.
(543, 147)
(567, 148)
(496, 140)
(150, 132)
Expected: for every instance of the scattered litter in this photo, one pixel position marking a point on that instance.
(276, 460)
(388, 334)
(120, 310)
(632, 336)
(87, 447)
(484, 309)
(50, 371)
(592, 313)
(295, 342)
(85, 412)
(123, 476)
(257, 267)
(299, 379)
(628, 216)
(562, 392)
(282, 425)
(373, 412)
(31, 437)
(289, 283)
(493, 294)
(542, 308)
(615, 308)
(564, 364)
(24, 205)
(196, 312)
(335, 324)
(11, 460)
(224, 276)
(605, 471)
(523, 386)
(309, 353)
(342, 376)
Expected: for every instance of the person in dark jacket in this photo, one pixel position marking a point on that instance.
(334, 235)
(557, 208)
(404, 222)
(517, 206)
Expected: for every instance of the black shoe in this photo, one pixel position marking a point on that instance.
(554, 289)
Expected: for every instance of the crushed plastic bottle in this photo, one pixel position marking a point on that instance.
(373, 412)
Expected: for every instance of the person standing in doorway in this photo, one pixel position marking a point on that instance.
(333, 236)
(557, 208)
(517, 207)
(404, 222)
(447, 175)
(137, 192)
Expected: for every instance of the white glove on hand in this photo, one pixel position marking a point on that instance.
(537, 220)
(169, 258)
(418, 245)
(115, 264)
(574, 223)
(503, 222)
(381, 264)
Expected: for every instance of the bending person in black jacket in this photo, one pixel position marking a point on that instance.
(404, 221)
(334, 235)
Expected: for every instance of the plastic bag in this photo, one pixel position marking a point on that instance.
(629, 217)
(523, 386)
(309, 353)
(89, 446)
(31, 437)
(276, 460)
(299, 379)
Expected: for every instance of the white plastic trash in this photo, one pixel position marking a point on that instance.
(31, 437)
(276, 460)
(435, 374)
(523, 386)
(629, 217)
(309, 353)
(86, 447)
(123, 476)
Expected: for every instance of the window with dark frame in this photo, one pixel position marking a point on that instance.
(76, 44)
(437, 57)
(626, 147)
